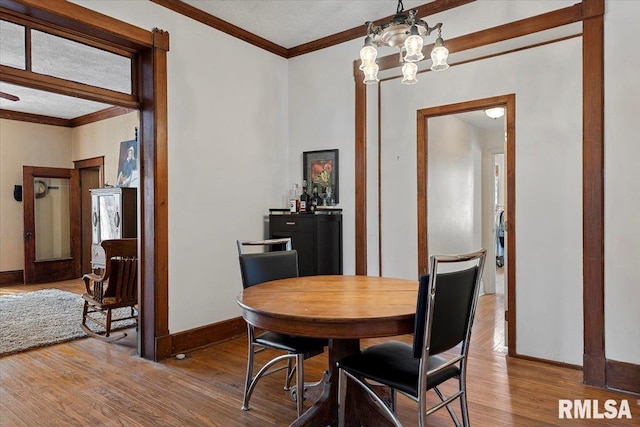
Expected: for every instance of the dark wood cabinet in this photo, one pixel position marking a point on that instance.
(114, 215)
(316, 237)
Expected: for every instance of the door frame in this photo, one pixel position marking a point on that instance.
(55, 269)
(422, 142)
(149, 48)
(81, 166)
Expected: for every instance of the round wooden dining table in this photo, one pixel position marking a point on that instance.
(343, 309)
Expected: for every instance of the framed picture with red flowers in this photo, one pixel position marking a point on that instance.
(320, 169)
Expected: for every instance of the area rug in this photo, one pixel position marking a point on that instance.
(40, 318)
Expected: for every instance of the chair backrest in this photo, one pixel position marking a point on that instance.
(263, 267)
(121, 271)
(267, 245)
(446, 303)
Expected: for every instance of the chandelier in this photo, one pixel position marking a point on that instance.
(403, 32)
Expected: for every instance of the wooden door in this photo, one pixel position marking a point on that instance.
(51, 204)
(89, 179)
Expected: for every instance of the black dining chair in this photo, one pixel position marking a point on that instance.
(445, 309)
(261, 267)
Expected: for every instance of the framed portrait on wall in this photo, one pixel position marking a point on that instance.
(128, 171)
(320, 169)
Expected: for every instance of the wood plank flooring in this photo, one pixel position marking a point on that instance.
(88, 382)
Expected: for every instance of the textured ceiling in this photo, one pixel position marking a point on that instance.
(290, 23)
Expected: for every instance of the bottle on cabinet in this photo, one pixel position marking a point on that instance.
(294, 201)
(315, 199)
(305, 199)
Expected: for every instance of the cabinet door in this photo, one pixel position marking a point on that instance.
(95, 219)
(110, 216)
(302, 234)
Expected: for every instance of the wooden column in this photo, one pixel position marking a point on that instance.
(593, 191)
(154, 341)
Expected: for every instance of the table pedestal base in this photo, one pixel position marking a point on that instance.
(361, 410)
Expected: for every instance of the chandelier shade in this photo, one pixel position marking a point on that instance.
(406, 33)
(409, 72)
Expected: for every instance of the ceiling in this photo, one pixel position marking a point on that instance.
(288, 23)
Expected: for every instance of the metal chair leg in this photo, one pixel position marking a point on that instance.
(299, 383)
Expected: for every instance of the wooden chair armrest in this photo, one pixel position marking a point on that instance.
(93, 284)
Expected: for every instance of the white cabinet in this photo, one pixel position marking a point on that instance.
(114, 215)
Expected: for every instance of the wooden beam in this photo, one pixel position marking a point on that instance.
(64, 14)
(98, 116)
(66, 87)
(34, 118)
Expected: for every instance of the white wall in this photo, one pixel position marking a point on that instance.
(622, 175)
(228, 156)
(321, 105)
(454, 186)
(24, 144)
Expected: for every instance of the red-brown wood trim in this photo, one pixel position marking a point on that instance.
(193, 339)
(80, 20)
(107, 113)
(424, 10)
(550, 362)
(422, 133)
(34, 118)
(153, 194)
(27, 46)
(510, 222)
(593, 192)
(66, 87)
(221, 25)
(380, 273)
(360, 173)
(14, 277)
(93, 162)
(500, 33)
(623, 376)
(36, 24)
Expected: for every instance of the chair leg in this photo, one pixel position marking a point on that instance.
(342, 397)
(448, 406)
(299, 383)
(85, 311)
(291, 370)
(108, 323)
(247, 382)
(464, 409)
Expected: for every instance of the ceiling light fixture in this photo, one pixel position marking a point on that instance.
(495, 112)
(403, 32)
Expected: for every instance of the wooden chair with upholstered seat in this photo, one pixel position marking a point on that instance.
(116, 287)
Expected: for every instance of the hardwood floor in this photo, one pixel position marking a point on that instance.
(88, 382)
